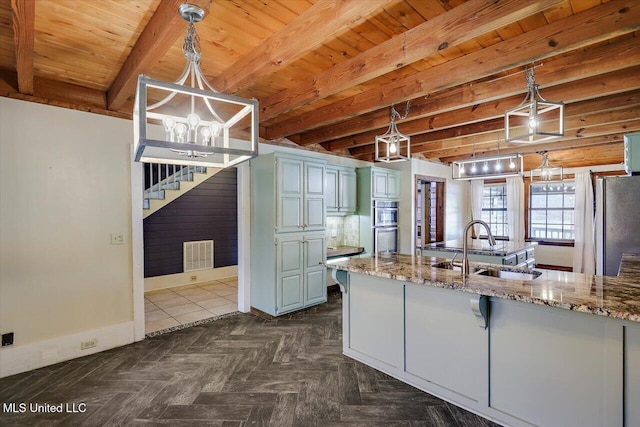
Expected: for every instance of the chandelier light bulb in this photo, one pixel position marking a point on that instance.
(462, 169)
(206, 136)
(181, 130)
(512, 164)
(498, 165)
(485, 167)
(215, 129)
(169, 123)
(193, 120)
(393, 148)
(473, 168)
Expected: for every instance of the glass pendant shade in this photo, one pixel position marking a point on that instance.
(546, 172)
(535, 119)
(393, 146)
(500, 166)
(188, 122)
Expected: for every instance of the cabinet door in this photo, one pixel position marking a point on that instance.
(314, 212)
(315, 274)
(376, 319)
(332, 190)
(393, 185)
(380, 182)
(289, 181)
(289, 274)
(348, 191)
(444, 344)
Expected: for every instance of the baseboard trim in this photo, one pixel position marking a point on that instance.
(179, 279)
(23, 358)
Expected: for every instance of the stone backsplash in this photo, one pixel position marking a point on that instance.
(343, 231)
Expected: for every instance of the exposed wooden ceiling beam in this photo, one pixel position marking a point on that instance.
(599, 23)
(594, 87)
(577, 65)
(164, 27)
(550, 146)
(612, 153)
(59, 94)
(23, 38)
(463, 147)
(581, 115)
(462, 23)
(306, 32)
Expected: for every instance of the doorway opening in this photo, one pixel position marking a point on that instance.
(430, 210)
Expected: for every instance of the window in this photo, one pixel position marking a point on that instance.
(551, 211)
(494, 209)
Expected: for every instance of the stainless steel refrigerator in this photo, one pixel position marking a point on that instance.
(617, 221)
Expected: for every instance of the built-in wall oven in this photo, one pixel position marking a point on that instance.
(385, 226)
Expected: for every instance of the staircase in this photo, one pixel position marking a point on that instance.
(165, 183)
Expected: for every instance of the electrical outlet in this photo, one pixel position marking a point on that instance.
(194, 278)
(117, 239)
(88, 344)
(7, 339)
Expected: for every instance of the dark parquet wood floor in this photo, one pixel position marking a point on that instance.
(237, 371)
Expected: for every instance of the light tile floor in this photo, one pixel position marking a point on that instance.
(166, 308)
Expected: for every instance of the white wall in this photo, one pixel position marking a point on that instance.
(65, 187)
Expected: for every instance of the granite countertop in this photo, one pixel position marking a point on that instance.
(481, 246)
(617, 297)
(629, 266)
(344, 250)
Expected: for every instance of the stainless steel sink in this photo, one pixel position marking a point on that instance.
(508, 274)
(493, 272)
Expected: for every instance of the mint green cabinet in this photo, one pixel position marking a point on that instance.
(300, 195)
(300, 278)
(341, 190)
(385, 183)
(287, 233)
(632, 152)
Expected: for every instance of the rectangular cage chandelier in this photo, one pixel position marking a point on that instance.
(393, 146)
(500, 166)
(192, 124)
(535, 119)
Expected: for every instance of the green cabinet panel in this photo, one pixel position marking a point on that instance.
(287, 233)
(380, 184)
(314, 209)
(341, 190)
(632, 152)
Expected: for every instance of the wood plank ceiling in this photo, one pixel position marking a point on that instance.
(327, 71)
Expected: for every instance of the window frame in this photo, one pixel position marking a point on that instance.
(505, 223)
(550, 240)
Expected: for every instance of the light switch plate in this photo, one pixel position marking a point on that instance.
(117, 239)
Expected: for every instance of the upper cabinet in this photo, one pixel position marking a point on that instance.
(300, 197)
(341, 190)
(632, 153)
(385, 183)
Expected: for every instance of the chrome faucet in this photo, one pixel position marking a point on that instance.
(465, 258)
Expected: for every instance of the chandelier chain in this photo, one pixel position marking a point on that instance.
(394, 112)
(191, 44)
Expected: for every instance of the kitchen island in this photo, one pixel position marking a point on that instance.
(505, 252)
(561, 349)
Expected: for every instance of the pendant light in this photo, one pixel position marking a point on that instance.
(535, 119)
(393, 146)
(546, 172)
(190, 123)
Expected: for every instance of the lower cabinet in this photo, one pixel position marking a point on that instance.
(300, 278)
(527, 365)
(553, 367)
(444, 344)
(375, 319)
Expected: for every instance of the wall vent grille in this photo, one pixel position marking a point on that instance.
(198, 255)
